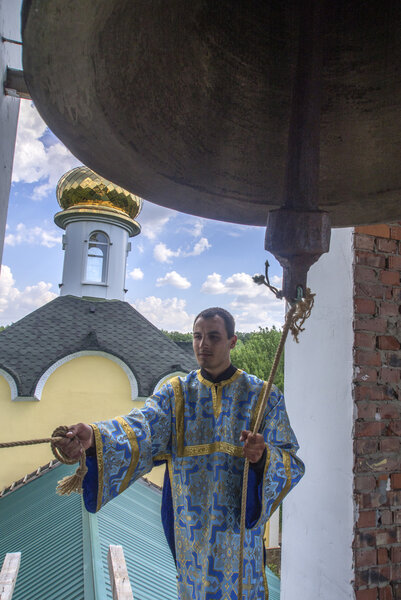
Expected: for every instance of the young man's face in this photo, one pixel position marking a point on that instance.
(212, 345)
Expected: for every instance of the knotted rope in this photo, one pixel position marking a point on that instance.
(294, 321)
(71, 483)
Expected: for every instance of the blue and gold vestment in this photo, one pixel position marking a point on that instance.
(195, 425)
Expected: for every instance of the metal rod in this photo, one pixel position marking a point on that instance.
(4, 39)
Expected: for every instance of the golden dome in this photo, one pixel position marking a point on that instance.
(82, 186)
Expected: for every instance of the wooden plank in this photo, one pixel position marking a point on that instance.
(8, 575)
(119, 579)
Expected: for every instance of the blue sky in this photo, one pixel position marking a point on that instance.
(178, 265)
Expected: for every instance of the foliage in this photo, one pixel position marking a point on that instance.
(177, 336)
(274, 568)
(255, 351)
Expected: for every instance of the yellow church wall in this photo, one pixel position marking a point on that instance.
(87, 389)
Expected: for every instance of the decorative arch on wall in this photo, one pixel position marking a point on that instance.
(11, 382)
(131, 377)
(165, 378)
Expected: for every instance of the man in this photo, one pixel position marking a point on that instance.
(201, 426)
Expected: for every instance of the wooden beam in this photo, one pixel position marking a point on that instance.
(119, 579)
(15, 84)
(8, 575)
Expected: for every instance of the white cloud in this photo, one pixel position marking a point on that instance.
(35, 160)
(213, 285)
(15, 304)
(252, 305)
(240, 284)
(276, 281)
(33, 235)
(175, 279)
(200, 246)
(235, 230)
(153, 219)
(136, 273)
(249, 316)
(164, 254)
(168, 313)
(196, 228)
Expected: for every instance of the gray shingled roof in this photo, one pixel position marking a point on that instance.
(69, 324)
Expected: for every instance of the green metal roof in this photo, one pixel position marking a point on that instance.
(64, 548)
(273, 583)
(47, 530)
(133, 521)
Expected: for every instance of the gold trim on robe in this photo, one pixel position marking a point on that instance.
(134, 453)
(179, 414)
(255, 411)
(200, 449)
(99, 456)
(217, 390)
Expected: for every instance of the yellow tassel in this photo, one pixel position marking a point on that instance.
(73, 483)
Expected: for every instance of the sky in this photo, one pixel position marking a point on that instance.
(178, 265)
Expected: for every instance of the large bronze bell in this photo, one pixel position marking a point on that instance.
(217, 107)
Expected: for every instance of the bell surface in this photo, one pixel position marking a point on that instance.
(187, 104)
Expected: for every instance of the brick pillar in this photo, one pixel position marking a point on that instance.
(377, 395)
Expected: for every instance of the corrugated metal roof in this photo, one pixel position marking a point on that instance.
(133, 521)
(274, 585)
(47, 530)
(29, 477)
(64, 552)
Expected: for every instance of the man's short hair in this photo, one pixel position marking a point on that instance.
(216, 311)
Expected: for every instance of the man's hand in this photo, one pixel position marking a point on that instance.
(254, 445)
(78, 439)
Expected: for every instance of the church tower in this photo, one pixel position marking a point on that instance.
(98, 218)
(87, 355)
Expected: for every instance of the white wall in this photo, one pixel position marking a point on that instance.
(76, 247)
(274, 530)
(9, 57)
(318, 514)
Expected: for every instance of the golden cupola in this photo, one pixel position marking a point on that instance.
(82, 192)
(98, 218)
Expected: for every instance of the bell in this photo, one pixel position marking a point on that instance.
(230, 110)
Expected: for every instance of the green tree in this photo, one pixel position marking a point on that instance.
(255, 351)
(177, 336)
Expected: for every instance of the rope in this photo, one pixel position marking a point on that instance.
(294, 321)
(71, 483)
(30, 442)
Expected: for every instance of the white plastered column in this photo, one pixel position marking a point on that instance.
(318, 514)
(9, 106)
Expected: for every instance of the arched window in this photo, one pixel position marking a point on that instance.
(96, 264)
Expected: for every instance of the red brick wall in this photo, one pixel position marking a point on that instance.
(377, 394)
